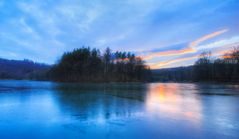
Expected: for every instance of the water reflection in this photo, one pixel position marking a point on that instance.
(155, 110)
(100, 102)
(104, 103)
(171, 100)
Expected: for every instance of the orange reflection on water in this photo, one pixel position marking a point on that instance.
(171, 101)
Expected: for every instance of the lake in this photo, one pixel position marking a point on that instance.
(33, 109)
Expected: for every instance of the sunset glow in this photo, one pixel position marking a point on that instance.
(165, 99)
(43, 31)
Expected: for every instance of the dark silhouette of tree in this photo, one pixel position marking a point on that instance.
(203, 67)
(107, 62)
(88, 65)
(225, 69)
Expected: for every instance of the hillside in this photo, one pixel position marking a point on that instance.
(177, 74)
(22, 69)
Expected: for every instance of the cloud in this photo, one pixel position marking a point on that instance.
(220, 43)
(207, 37)
(169, 62)
(223, 48)
(170, 53)
(1, 3)
(44, 30)
(44, 19)
(192, 47)
(27, 29)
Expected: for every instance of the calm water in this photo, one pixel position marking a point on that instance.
(31, 109)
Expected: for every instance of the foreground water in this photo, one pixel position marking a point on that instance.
(31, 109)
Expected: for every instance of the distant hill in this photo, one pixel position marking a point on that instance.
(178, 74)
(22, 69)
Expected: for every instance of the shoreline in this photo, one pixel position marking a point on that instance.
(109, 82)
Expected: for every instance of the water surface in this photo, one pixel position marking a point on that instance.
(31, 109)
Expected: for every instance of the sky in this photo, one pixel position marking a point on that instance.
(165, 33)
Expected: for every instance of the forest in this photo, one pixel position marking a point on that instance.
(205, 69)
(89, 65)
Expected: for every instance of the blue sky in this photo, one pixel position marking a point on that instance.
(166, 33)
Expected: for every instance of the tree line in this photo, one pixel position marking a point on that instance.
(206, 68)
(23, 69)
(222, 69)
(89, 65)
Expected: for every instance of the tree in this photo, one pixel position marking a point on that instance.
(88, 65)
(203, 68)
(107, 62)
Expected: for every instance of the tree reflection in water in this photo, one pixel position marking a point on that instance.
(100, 102)
(154, 110)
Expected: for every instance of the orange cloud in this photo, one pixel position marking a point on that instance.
(170, 53)
(227, 57)
(165, 63)
(190, 49)
(227, 49)
(220, 53)
(224, 54)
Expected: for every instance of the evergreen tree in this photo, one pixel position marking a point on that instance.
(88, 65)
